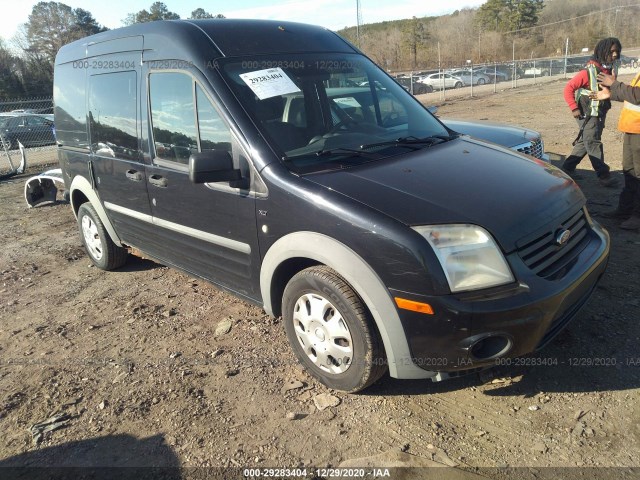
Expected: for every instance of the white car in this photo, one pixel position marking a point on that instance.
(438, 80)
(472, 78)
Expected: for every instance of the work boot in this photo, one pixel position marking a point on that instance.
(608, 181)
(573, 174)
(616, 213)
(632, 224)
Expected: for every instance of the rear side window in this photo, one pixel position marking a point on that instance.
(36, 121)
(70, 106)
(113, 115)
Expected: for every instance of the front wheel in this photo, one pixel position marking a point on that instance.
(7, 143)
(105, 254)
(481, 81)
(458, 85)
(330, 330)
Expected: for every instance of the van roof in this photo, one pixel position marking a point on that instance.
(226, 37)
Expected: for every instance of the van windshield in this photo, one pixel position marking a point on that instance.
(330, 111)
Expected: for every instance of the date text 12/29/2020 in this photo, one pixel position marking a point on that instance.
(335, 472)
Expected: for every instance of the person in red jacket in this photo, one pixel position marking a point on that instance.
(628, 208)
(591, 113)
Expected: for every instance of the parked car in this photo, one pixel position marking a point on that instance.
(383, 239)
(439, 80)
(626, 61)
(520, 139)
(511, 71)
(417, 87)
(495, 75)
(545, 68)
(470, 77)
(523, 140)
(30, 130)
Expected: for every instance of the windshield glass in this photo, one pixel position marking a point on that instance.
(330, 111)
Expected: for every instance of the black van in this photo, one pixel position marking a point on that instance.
(278, 162)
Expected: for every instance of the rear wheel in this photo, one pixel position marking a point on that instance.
(481, 81)
(331, 331)
(419, 89)
(458, 85)
(105, 254)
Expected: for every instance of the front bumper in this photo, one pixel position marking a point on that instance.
(473, 330)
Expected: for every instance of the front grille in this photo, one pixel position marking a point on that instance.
(545, 257)
(535, 148)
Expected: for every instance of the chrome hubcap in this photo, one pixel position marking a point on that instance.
(323, 333)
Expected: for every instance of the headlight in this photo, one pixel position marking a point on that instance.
(469, 257)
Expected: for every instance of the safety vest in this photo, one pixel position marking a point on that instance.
(630, 116)
(592, 70)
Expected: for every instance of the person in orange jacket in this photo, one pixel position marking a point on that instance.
(590, 113)
(628, 208)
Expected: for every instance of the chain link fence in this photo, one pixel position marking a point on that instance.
(27, 134)
(456, 81)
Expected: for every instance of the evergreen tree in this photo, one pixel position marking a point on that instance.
(508, 15)
(199, 13)
(157, 11)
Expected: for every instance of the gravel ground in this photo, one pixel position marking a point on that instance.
(145, 366)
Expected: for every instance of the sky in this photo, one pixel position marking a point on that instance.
(333, 14)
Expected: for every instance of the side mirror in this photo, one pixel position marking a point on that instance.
(432, 109)
(212, 166)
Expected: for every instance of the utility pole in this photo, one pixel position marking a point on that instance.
(358, 21)
(566, 54)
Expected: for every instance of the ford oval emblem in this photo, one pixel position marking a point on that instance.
(562, 237)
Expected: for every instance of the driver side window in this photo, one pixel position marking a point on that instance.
(184, 120)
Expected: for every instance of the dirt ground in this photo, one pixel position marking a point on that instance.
(145, 366)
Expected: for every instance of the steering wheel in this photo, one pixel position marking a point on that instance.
(389, 118)
(342, 123)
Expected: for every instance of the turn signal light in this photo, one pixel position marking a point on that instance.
(414, 306)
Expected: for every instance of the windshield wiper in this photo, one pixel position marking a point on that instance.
(338, 150)
(341, 151)
(411, 140)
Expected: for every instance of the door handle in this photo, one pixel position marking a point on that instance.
(134, 175)
(158, 181)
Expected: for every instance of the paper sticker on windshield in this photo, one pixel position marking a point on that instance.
(345, 102)
(269, 83)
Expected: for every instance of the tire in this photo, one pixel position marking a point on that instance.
(330, 330)
(105, 254)
(481, 81)
(458, 85)
(9, 144)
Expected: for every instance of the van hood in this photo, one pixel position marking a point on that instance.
(462, 181)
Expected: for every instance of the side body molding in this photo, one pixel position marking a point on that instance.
(82, 184)
(364, 281)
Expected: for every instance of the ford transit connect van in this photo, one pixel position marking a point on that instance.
(249, 154)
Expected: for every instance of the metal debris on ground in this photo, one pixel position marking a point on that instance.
(52, 423)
